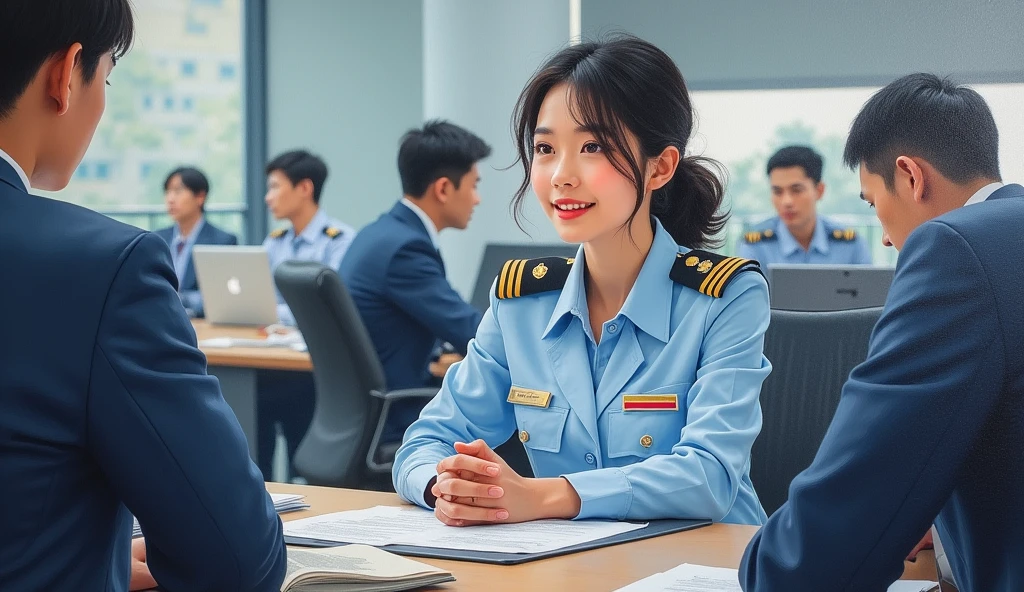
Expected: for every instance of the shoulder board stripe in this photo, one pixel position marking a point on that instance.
(502, 279)
(545, 274)
(712, 284)
(517, 286)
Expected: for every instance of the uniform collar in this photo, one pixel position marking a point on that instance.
(315, 227)
(789, 245)
(649, 303)
(428, 224)
(17, 169)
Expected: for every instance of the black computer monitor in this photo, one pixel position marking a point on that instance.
(828, 287)
(495, 255)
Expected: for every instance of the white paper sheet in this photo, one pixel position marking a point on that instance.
(383, 525)
(912, 586)
(283, 502)
(689, 578)
(699, 578)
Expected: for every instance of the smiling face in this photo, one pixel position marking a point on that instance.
(579, 188)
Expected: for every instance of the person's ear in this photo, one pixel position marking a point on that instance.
(59, 75)
(663, 168)
(911, 175)
(443, 189)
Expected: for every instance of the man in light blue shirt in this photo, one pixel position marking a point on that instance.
(295, 181)
(798, 234)
(185, 192)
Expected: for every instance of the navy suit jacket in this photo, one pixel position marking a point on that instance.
(397, 280)
(106, 410)
(929, 428)
(208, 235)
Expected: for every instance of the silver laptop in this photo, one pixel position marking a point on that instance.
(828, 287)
(236, 284)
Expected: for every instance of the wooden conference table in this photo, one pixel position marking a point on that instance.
(609, 568)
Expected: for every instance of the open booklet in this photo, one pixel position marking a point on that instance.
(353, 568)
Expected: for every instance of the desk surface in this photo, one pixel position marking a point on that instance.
(609, 568)
(263, 358)
(272, 358)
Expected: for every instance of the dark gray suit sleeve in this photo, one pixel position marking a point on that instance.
(168, 443)
(906, 422)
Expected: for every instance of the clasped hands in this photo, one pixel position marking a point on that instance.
(476, 486)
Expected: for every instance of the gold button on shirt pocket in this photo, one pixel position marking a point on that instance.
(643, 434)
(541, 429)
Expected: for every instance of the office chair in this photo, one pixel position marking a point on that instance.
(342, 447)
(812, 354)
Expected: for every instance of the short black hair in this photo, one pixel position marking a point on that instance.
(37, 30)
(922, 115)
(797, 156)
(439, 150)
(299, 165)
(192, 178)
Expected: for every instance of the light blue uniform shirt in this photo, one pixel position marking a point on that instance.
(191, 299)
(825, 247)
(313, 244)
(667, 339)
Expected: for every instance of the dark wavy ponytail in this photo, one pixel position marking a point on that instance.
(688, 206)
(628, 85)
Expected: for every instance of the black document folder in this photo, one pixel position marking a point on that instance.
(654, 528)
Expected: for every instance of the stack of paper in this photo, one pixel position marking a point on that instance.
(384, 525)
(357, 567)
(698, 578)
(283, 503)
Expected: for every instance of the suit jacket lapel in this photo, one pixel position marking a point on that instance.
(205, 237)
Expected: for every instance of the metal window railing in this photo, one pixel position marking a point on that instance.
(230, 217)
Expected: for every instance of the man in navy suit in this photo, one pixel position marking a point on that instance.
(931, 426)
(106, 409)
(394, 270)
(185, 192)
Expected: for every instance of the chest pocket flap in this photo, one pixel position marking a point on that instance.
(541, 429)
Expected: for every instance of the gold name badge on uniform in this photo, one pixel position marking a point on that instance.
(524, 396)
(650, 403)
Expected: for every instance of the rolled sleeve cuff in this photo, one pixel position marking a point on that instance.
(416, 484)
(604, 493)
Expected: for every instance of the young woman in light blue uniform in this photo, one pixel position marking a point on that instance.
(630, 373)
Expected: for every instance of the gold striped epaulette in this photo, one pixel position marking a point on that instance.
(756, 236)
(332, 232)
(709, 273)
(524, 277)
(844, 235)
(278, 233)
